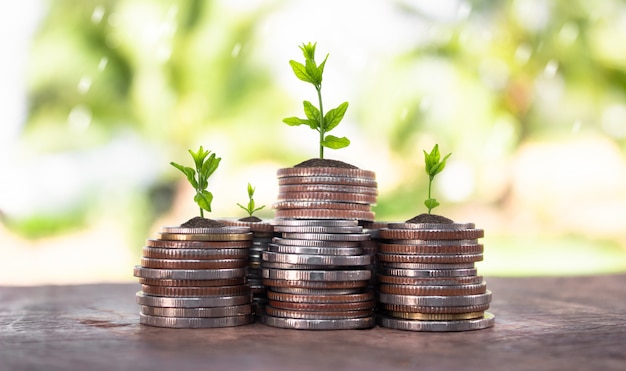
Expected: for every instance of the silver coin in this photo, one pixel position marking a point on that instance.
(334, 260)
(260, 244)
(182, 322)
(315, 243)
(427, 272)
(327, 236)
(189, 274)
(435, 301)
(430, 259)
(185, 253)
(435, 243)
(488, 320)
(327, 188)
(319, 324)
(431, 226)
(428, 266)
(315, 222)
(274, 265)
(303, 291)
(318, 229)
(192, 302)
(352, 181)
(235, 310)
(286, 249)
(219, 230)
(317, 275)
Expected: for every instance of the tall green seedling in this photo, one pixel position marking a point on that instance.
(312, 73)
(199, 178)
(433, 167)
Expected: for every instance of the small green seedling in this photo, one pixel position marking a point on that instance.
(433, 167)
(315, 118)
(199, 178)
(250, 209)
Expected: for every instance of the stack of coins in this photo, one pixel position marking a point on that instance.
(195, 278)
(325, 193)
(427, 279)
(371, 248)
(262, 234)
(317, 275)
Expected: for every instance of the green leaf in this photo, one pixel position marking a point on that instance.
(300, 71)
(295, 121)
(431, 159)
(313, 72)
(244, 208)
(250, 190)
(308, 50)
(203, 199)
(440, 166)
(251, 204)
(334, 116)
(321, 66)
(211, 164)
(198, 157)
(257, 209)
(333, 142)
(431, 203)
(189, 173)
(312, 113)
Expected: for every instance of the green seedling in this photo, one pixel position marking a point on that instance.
(433, 167)
(311, 72)
(199, 178)
(250, 209)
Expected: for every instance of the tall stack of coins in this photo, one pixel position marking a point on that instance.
(317, 274)
(262, 234)
(325, 193)
(195, 278)
(427, 279)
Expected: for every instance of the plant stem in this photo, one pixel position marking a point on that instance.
(322, 123)
(201, 213)
(430, 183)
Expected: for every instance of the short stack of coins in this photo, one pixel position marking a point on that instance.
(262, 234)
(325, 193)
(427, 279)
(317, 275)
(195, 278)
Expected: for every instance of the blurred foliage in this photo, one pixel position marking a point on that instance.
(481, 79)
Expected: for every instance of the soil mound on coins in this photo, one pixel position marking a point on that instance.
(324, 162)
(429, 218)
(199, 222)
(250, 219)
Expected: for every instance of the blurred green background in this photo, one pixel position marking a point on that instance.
(99, 96)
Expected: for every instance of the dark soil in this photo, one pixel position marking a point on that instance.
(324, 162)
(199, 222)
(429, 218)
(250, 219)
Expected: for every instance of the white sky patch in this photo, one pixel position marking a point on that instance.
(614, 121)
(84, 84)
(97, 14)
(79, 118)
(457, 182)
(523, 52)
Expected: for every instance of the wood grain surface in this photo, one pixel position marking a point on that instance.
(573, 323)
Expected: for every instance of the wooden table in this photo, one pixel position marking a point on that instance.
(541, 324)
